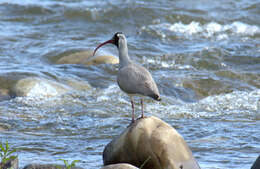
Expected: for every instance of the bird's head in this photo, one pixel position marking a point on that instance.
(116, 39)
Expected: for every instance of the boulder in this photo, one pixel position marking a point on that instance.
(119, 166)
(151, 142)
(86, 58)
(48, 166)
(38, 87)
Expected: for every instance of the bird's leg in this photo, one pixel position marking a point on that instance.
(133, 109)
(142, 104)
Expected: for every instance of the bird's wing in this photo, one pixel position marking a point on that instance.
(135, 79)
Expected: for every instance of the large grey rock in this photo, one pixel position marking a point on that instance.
(47, 166)
(86, 58)
(119, 166)
(150, 139)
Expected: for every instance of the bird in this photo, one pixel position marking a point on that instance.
(132, 78)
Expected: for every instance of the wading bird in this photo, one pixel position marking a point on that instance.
(132, 78)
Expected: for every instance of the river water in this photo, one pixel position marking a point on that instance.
(204, 56)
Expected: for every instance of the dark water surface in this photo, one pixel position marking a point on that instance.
(204, 55)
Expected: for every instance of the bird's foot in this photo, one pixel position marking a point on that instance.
(132, 122)
(142, 117)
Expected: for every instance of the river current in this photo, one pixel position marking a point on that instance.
(204, 56)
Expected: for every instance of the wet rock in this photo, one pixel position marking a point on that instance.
(256, 164)
(154, 141)
(78, 84)
(4, 126)
(119, 166)
(101, 59)
(48, 166)
(86, 58)
(4, 94)
(207, 87)
(37, 87)
(12, 163)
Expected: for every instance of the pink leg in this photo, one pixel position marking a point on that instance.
(142, 104)
(133, 109)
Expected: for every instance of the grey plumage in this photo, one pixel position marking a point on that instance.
(132, 78)
(135, 79)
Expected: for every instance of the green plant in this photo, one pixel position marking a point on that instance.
(6, 153)
(67, 165)
(145, 162)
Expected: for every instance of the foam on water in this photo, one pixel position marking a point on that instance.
(235, 102)
(107, 93)
(166, 64)
(42, 89)
(230, 103)
(208, 30)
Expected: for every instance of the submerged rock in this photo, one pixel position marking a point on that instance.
(78, 84)
(86, 58)
(38, 87)
(207, 87)
(119, 166)
(153, 142)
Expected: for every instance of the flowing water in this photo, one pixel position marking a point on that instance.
(204, 56)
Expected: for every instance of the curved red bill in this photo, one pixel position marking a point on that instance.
(109, 41)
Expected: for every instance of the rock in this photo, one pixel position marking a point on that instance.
(78, 84)
(11, 164)
(4, 126)
(48, 166)
(152, 140)
(4, 94)
(256, 164)
(101, 59)
(37, 87)
(207, 87)
(119, 166)
(86, 58)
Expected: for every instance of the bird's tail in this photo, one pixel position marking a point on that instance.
(156, 97)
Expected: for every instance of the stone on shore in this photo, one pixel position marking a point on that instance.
(152, 140)
(119, 166)
(38, 87)
(48, 166)
(86, 58)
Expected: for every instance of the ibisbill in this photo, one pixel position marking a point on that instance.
(132, 78)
